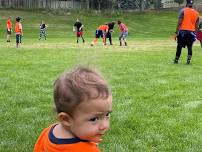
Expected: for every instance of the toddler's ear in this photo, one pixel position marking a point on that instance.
(65, 119)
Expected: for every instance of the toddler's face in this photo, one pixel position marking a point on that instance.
(91, 119)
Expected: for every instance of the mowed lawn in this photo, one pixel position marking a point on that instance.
(157, 105)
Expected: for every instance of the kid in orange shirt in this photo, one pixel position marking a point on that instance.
(101, 31)
(83, 103)
(18, 30)
(9, 29)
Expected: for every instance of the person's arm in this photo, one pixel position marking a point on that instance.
(21, 29)
(81, 27)
(197, 24)
(107, 29)
(181, 16)
(112, 27)
(74, 27)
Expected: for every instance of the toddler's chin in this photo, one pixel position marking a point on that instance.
(96, 140)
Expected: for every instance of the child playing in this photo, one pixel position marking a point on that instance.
(101, 31)
(83, 104)
(18, 30)
(78, 27)
(123, 33)
(9, 29)
(42, 30)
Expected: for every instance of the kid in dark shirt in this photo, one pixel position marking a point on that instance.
(78, 27)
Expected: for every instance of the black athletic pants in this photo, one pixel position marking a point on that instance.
(185, 39)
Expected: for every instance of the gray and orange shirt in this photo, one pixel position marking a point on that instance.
(188, 19)
(18, 28)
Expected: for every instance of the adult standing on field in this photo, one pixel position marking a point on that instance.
(9, 29)
(185, 31)
(109, 33)
(78, 27)
(124, 33)
(42, 29)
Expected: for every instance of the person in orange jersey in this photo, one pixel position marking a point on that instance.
(83, 102)
(18, 31)
(185, 31)
(9, 29)
(101, 31)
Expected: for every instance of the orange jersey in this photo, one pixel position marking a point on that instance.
(103, 28)
(189, 20)
(18, 28)
(9, 24)
(47, 142)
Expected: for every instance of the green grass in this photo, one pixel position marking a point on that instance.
(156, 104)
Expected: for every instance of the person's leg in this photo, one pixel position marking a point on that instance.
(17, 41)
(201, 43)
(7, 38)
(178, 53)
(180, 45)
(110, 38)
(83, 39)
(40, 34)
(44, 34)
(104, 37)
(94, 41)
(81, 35)
(8, 35)
(191, 37)
(120, 39)
(20, 38)
(125, 34)
(98, 34)
(104, 40)
(77, 39)
(189, 56)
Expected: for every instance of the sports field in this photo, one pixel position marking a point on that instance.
(157, 105)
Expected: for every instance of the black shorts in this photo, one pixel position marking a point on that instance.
(186, 38)
(18, 38)
(108, 35)
(98, 33)
(8, 31)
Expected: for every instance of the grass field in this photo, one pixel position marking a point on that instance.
(157, 105)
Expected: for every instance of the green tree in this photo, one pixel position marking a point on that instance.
(157, 4)
(114, 4)
(141, 5)
(179, 1)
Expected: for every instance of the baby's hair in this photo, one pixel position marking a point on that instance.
(80, 85)
(119, 22)
(18, 19)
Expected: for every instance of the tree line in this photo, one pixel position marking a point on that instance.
(87, 4)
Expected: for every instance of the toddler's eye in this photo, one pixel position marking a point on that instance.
(108, 114)
(94, 119)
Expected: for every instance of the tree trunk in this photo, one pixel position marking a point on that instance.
(99, 1)
(87, 4)
(141, 5)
